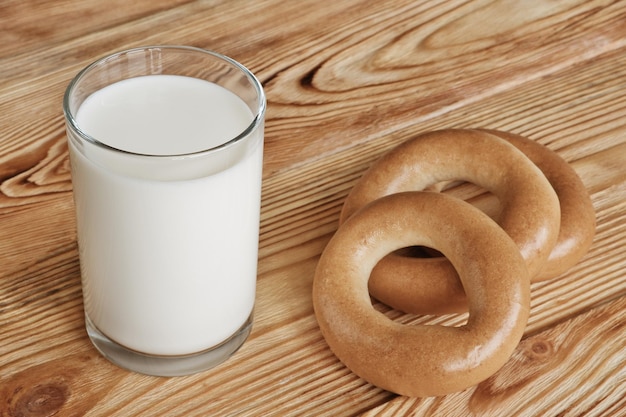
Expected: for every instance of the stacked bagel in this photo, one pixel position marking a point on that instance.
(546, 224)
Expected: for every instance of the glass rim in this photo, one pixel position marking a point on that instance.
(252, 126)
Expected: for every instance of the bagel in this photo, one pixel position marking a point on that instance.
(530, 210)
(422, 360)
(578, 218)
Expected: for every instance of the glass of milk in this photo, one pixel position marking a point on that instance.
(166, 151)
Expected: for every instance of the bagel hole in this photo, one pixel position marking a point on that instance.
(418, 252)
(449, 320)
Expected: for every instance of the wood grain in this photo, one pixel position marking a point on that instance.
(28, 25)
(345, 82)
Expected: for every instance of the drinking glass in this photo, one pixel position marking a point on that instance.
(166, 151)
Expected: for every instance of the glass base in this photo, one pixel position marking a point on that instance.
(167, 365)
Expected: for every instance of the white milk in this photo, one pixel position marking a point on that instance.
(168, 255)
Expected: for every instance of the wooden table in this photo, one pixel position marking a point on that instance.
(346, 80)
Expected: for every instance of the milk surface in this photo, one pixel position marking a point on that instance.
(168, 260)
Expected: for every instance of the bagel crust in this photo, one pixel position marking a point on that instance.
(578, 218)
(422, 360)
(530, 210)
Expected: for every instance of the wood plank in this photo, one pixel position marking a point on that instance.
(300, 77)
(24, 30)
(340, 94)
(379, 95)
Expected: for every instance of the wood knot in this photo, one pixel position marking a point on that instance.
(540, 349)
(40, 401)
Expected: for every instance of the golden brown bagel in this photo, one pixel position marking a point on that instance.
(578, 218)
(530, 210)
(422, 360)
